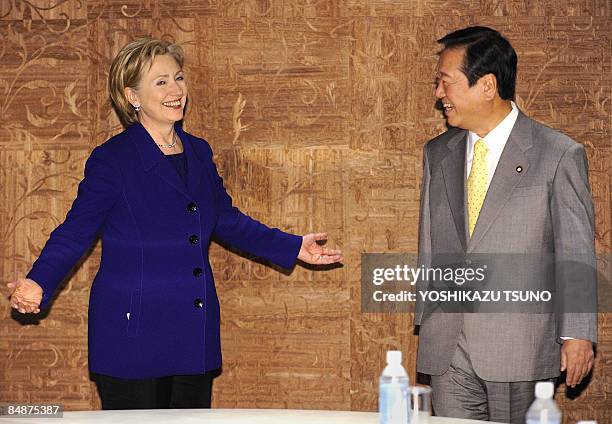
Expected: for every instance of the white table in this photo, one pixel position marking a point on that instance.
(220, 416)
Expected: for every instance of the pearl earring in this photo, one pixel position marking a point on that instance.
(137, 108)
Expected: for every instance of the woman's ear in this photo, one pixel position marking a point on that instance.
(131, 96)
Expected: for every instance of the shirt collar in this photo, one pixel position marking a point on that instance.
(497, 138)
(150, 154)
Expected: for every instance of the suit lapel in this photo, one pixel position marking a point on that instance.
(505, 178)
(194, 163)
(453, 170)
(153, 160)
(166, 171)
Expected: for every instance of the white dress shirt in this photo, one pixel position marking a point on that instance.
(495, 141)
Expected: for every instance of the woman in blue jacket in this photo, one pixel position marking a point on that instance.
(154, 196)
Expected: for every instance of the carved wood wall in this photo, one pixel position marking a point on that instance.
(317, 112)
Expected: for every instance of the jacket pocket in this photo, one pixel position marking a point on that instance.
(540, 190)
(133, 315)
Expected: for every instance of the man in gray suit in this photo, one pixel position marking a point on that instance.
(498, 183)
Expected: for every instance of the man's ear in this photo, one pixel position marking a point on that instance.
(489, 86)
(131, 96)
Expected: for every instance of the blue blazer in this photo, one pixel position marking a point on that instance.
(153, 308)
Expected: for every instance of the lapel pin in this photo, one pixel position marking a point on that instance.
(519, 169)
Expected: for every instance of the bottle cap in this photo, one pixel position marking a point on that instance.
(544, 390)
(394, 357)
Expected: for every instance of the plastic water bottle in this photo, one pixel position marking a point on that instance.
(544, 410)
(393, 394)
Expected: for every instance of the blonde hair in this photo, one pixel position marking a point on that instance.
(127, 69)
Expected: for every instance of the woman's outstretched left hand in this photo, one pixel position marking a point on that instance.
(313, 253)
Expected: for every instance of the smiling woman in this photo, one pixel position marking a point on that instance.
(155, 197)
(153, 91)
(133, 64)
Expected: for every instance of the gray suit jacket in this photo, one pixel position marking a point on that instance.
(538, 202)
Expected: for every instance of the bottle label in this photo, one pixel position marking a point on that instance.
(393, 404)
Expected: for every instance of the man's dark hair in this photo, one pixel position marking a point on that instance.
(486, 52)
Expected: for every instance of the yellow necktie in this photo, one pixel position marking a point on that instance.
(477, 183)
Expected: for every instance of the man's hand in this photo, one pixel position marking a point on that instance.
(26, 295)
(313, 253)
(577, 359)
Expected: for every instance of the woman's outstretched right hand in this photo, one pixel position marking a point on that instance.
(25, 295)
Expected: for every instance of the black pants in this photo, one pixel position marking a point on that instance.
(175, 392)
